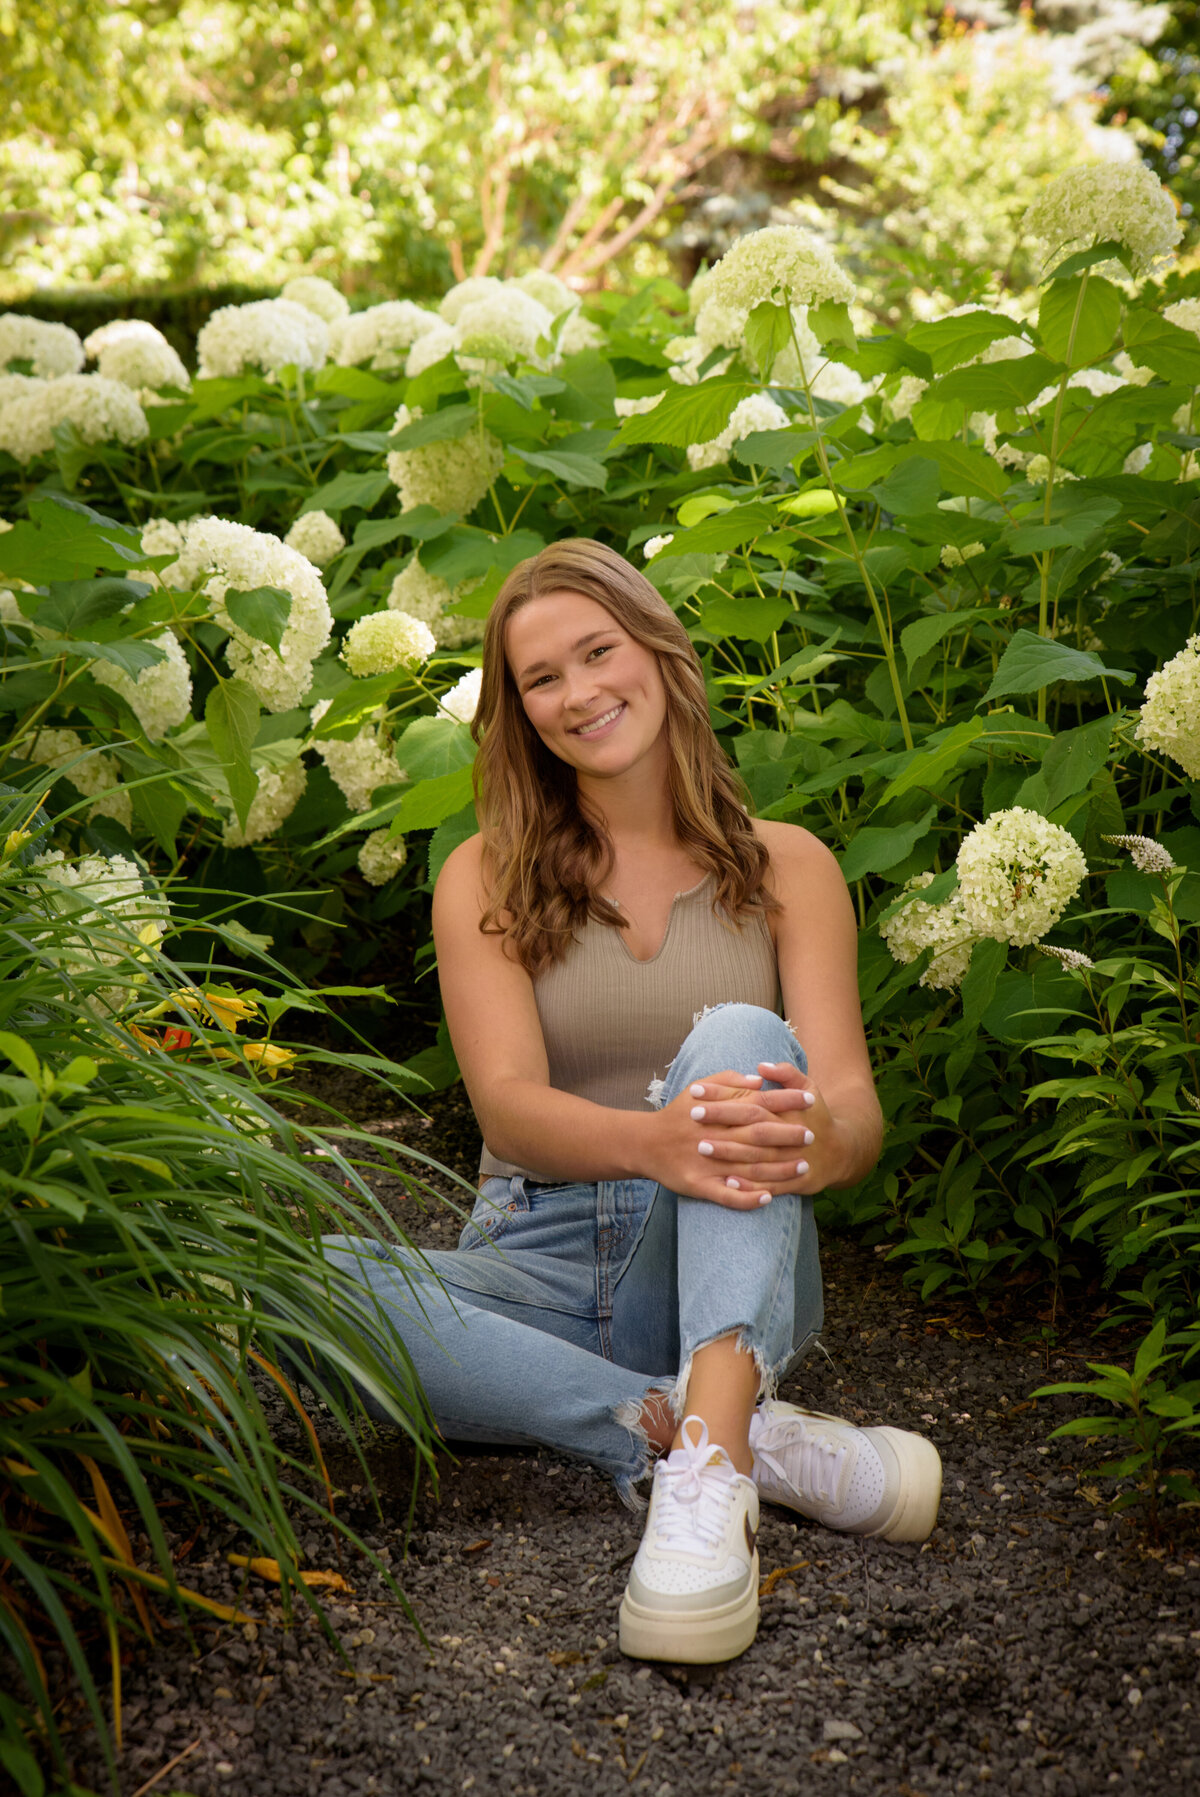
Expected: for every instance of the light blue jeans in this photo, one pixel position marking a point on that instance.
(564, 1306)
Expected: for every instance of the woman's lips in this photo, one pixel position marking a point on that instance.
(600, 726)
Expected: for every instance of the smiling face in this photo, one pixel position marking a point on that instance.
(593, 693)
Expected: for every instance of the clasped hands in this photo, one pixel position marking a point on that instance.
(738, 1145)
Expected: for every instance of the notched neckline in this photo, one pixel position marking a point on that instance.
(637, 960)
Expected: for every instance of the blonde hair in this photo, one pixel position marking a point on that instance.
(546, 859)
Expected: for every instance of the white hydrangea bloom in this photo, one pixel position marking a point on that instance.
(357, 765)
(161, 537)
(317, 295)
(1096, 381)
(317, 536)
(1123, 202)
(16, 386)
(462, 700)
(52, 349)
(954, 557)
(432, 346)
(116, 804)
(263, 334)
(161, 696)
(835, 382)
(1017, 873)
(634, 408)
(385, 642)
(917, 926)
(687, 354)
(1130, 372)
(902, 401)
(135, 352)
(547, 290)
(451, 477)
(381, 857)
(383, 335)
(579, 333)
(10, 611)
(757, 412)
(102, 411)
(1170, 717)
(423, 595)
(118, 916)
(465, 293)
(501, 327)
(55, 748)
(1148, 856)
(1138, 460)
(782, 263)
(1037, 471)
(279, 792)
(652, 545)
(218, 554)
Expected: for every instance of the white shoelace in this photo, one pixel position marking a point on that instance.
(804, 1458)
(694, 1493)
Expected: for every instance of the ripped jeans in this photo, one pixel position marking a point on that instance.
(564, 1306)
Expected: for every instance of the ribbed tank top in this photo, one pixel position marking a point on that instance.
(612, 1023)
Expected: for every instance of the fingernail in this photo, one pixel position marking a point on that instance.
(764, 1198)
(697, 1113)
(696, 1091)
(733, 1184)
(704, 1147)
(802, 1167)
(809, 1099)
(809, 1138)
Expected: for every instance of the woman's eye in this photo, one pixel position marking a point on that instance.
(601, 649)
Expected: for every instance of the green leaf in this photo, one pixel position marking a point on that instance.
(356, 383)
(130, 656)
(927, 766)
(999, 386)
(161, 806)
(346, 490)
(1068, 766)
(1032, 662)
(433, 801)
(775, 450)
(566, 465)
(76, 607)
(433, 746)
(912, 486)
(703, 505)
(447, 837)
(830, 323)
(723, 532)
(767, 333)
(1074, 519)
(446, 426)
(1150, 1354)
(1078, 319)
(466, 552)
(950, 341)
(231, 714)
(1031, 1005)
(62, 540)
(21, 1055)
(353, 704)
(1109, 251)
(877, 848)
(749, 616)
(262, 612)
(686, 415)
(1155, 342)
(923, 634)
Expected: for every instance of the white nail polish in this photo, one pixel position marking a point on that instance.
(802, 1168)
(809, 1138)
(733, 1185)
(704, 1147)
(696, 1091)
(764, 1198)
(697, 1113)
(809, 1099)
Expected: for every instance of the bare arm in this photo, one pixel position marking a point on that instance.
(497, 1036)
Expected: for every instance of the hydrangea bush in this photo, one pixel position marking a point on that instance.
(939, 582)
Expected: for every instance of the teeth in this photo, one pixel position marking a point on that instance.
(586, 729)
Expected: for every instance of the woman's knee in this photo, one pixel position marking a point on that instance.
(739, 1036)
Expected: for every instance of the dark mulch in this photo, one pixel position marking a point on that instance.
(1035, 1643)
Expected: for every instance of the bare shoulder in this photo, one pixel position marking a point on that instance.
(461, 886)
(796, 854)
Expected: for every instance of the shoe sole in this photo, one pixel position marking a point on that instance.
(690, 1637)
(916, 1511)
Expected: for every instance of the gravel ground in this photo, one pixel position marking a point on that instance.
(1035, 1643)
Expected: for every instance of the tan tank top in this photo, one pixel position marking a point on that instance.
(612, 1023)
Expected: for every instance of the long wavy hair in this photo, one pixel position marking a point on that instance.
(546, 859)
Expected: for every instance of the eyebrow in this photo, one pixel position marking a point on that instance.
(535, 667)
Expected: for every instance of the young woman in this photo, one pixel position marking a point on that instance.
(618, 949)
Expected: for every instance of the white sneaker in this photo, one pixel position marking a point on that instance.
(693, 1588)
(880, 1481)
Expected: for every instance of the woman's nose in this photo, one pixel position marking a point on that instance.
(579, 689)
